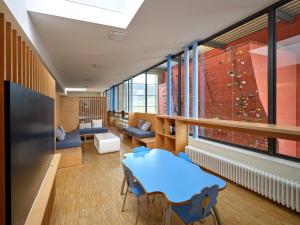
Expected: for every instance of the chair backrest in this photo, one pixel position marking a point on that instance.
(141, 149)
(203, 203)
(184, 156)
(128, 176)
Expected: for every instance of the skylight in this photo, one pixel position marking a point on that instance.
(115, 13)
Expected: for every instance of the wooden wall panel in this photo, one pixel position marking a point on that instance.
(19, 63)
(92, 107)
(2, 143)
(8, 50)
(69, 113)
(14, 57)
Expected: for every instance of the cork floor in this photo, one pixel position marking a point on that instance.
(90, 195)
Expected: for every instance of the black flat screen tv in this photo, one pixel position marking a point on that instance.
(29, 148)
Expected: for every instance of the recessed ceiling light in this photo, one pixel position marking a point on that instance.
(116, 35)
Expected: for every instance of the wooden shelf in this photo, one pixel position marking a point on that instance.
(37, 212)
(167, 135)
(262, 129)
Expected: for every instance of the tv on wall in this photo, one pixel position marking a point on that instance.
(29, 143)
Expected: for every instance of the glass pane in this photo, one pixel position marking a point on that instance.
(288, 74)
(152, 89)
(121, 97)
(233, 81)
(138, 89)
(151, 109)
(138, 109)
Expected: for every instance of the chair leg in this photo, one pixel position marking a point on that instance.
(217, 216)
(147, 198)
(125, 199)
(138, 210)
(122, 186)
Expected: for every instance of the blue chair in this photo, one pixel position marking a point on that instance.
(199, 207)
(135, 150)
(184, 156)
(141, 149)
(135, 188)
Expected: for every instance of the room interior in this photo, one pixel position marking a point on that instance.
(150, 112)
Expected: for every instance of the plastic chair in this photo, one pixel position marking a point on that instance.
(200, 206)
(135, 150)
(135, 188)
(184, 156)
(140, 149)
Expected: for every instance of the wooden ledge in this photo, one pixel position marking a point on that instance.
(262, 129)
(37, 212)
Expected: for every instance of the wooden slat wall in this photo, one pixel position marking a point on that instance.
(19, 63)
(92, 107)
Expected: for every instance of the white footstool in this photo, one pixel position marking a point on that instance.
(106, 142)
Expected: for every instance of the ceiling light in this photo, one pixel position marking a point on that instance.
(116, 35)
(74, 90)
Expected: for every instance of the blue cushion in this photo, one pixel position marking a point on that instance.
(99, 130)
(138, 133)
(85, 131)
(72, 140)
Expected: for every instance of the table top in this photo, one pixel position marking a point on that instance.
(161, 171)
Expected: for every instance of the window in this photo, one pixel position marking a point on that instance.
(126, 88)
(288, 73)
(151, 92)
(233, 81)
(121, 97)
(138, 93)
(116, 98)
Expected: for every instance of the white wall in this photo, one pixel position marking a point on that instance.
(16, 12)
(281, 167)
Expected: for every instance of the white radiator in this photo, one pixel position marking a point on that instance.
(276, 188)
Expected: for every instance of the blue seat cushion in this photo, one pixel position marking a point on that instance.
(72, 140)
(184, 212)
(85, 131)
(99, 130)
(138, 133)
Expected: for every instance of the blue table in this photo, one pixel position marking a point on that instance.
(161, 171)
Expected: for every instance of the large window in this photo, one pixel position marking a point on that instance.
(121, 97)
(233, 81)
(125, 96)
(152, 92)
(138, 93)
(288, 73)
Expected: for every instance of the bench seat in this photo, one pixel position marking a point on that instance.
(72, 140)
(138, 133)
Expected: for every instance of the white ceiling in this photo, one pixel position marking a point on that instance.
(160, 27)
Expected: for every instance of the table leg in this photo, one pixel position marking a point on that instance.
(168, 215)
(216, 212)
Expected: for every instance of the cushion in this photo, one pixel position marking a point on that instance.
(140, 123)
(96, 123)
(85, 131)
(138, 133)
(85, 125)
(72, 140)
(60, 133)
(146, 126)
(99, 130)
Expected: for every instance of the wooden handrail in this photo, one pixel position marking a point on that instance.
(262, 129)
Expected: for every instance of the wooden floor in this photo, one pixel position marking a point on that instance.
(90, 195)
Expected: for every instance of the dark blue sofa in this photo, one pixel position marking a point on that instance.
(138, 133)
(72, 140)
(87, 131)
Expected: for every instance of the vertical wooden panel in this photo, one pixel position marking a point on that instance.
(23, 64)
(8, 51)
(2, 144)
(20, 70)
(30, 69)
(14, 56)
(27, 67)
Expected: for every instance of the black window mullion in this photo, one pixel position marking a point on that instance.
(272, 76)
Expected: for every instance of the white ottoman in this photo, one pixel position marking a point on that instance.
(106, 142)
